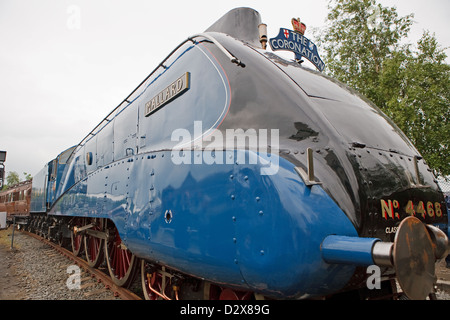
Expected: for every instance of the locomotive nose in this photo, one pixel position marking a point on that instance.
(397, 206)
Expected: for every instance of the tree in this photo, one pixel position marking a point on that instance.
(12, 178)
(27, 176)
(363, 47)
(360, 35)
(416, 89)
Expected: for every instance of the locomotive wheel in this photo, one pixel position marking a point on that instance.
(150, 278)
(219, 293)
(158, 280)
(77, 239)
(61, 241)
(93, 245)
(228, 294)
(121, 262)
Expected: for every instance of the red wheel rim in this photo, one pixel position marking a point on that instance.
(120, 258)
(94, 246)
(121, 262)
(77, 242)
(219, 293)
(77, 239)
(156, 283)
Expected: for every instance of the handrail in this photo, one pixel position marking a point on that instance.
(232, 58)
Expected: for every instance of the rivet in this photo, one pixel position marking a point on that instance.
(232, 197)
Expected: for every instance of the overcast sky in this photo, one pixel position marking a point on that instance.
(64, 65)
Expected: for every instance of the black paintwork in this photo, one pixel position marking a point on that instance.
(361, 156)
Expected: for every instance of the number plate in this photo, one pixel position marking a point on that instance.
(391, 209)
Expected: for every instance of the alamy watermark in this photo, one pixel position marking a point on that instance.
(374, 280)
(74, 280)
(257, 147)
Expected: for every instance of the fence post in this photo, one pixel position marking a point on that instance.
(14, 228)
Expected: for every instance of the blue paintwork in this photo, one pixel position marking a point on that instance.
(229, 224)
(348, 250)
(129, 132)
(46, 183)
(56, 174)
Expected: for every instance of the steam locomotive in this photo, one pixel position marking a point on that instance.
(231, 172)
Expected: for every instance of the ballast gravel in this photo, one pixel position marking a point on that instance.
(32, 270)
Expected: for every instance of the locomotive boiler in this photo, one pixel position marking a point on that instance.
(231, 172)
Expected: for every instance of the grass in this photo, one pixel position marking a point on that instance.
(5, 238)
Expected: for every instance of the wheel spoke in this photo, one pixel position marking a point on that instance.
(121, 262)
(77, 239)
(93, 245)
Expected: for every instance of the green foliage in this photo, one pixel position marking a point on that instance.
(12, 178)
(410, 84)
(416, 88)
(27, 176)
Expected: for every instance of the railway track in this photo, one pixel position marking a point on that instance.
(91, 275)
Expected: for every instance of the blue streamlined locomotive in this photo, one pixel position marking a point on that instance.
(233, 173)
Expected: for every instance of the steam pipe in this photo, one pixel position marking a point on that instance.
(356, 251)
(372, 251)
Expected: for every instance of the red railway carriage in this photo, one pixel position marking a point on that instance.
(15, 201)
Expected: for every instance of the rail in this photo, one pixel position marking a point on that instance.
(120, 292)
